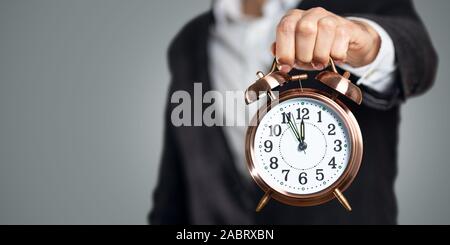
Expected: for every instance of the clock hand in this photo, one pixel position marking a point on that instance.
(302, 130)
(293, 128)
(302, 144)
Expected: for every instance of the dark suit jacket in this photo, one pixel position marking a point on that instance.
(198, 180)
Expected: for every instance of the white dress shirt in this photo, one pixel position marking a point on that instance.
(240, 45)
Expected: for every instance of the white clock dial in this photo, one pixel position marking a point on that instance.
(305, 152)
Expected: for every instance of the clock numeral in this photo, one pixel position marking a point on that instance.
(319, 114)
(285, 172)
(286, 117)
(319, 174)
(273, 163)
(302, 178)
(275, 130)
(268, 145)
(332, 129)
(332, 163)
(305, 112)
(338, 145)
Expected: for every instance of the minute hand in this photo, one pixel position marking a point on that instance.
(302, 130)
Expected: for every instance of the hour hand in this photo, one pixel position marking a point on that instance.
(293, 127)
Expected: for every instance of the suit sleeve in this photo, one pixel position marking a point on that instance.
(415, 56)
(169, 203)
(169, 198)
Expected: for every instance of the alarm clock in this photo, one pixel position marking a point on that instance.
(303, 147)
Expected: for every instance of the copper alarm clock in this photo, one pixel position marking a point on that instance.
(304, 147)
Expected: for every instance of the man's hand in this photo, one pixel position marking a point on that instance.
(307, 39)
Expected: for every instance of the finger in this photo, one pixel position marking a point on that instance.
(285, 40)
(305, 35)
(303, 66)
(340, 46)
(324, 40)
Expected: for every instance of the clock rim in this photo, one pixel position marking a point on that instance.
(346, 178)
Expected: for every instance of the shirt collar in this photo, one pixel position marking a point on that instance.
(229, 11)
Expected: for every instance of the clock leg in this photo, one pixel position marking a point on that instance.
(342, 199)
(264, 200)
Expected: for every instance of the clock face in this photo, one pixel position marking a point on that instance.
(301, 146)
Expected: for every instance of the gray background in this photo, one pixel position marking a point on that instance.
(82, 85)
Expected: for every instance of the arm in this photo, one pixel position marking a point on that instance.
(169, 197)
(305, 40)
(169, 205)
(415, 56)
